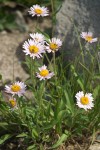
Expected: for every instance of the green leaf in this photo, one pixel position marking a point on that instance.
(22, 135)
(4, 125)
(85, 68)
(32, 147)
(58, 6)
(96, 91)
(96, 77)
(0, 77)
(61, 104)
(4, 138)
(61, 115)
(60, 141)
(80, 84)
(79, 81)
(68, 101)
(34, 133)
(50, 125)
(49, 111)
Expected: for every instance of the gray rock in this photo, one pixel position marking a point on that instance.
(20, 21)
(74, 17)
(95, 147)
(9, 63)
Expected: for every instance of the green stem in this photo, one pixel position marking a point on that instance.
(37, 23)
(53, 10)
(13, 68)
(48, 60)
(42, 91)
(54, 63)
(55, 70)
(81, 48)
(33, 72)
(31, 69)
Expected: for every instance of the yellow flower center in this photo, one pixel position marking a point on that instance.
(33, 49)
(84, 100)
(15, 88)
(12, 102)
(44, 73)
(38, 11)
(88, 38)
(53, 46)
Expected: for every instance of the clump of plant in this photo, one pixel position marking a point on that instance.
(63, 105)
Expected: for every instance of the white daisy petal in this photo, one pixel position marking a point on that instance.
(94, 40)
(37, 10)
(18, 88)
(88, 36)
(33, 48)
(84, 100)
(44, 73)
(37, 37)
(53, 45)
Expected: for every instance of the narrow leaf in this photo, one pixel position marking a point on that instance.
(4, 138)
(32, 147)
(60, 141)
(0, 77)
(21, 135)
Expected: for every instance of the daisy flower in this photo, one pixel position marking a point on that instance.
(38, 11)
(33, 48)
(18, 88)
(84, 100)
(88, 36)
(44, 73)
(53, 45)
(37, 37)
(13, 103)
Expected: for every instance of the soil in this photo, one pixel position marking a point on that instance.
(83, 145)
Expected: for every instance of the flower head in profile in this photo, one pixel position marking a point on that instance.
(84, 101)
(44, 73)
(53, 45)
(37, 10)
(18, 88)
(88, 36)
(37, 37)
(33, 48)
(13, 103)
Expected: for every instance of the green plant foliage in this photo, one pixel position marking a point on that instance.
(51, 117)
(7, 20)
(4, 138)
(59, 142)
